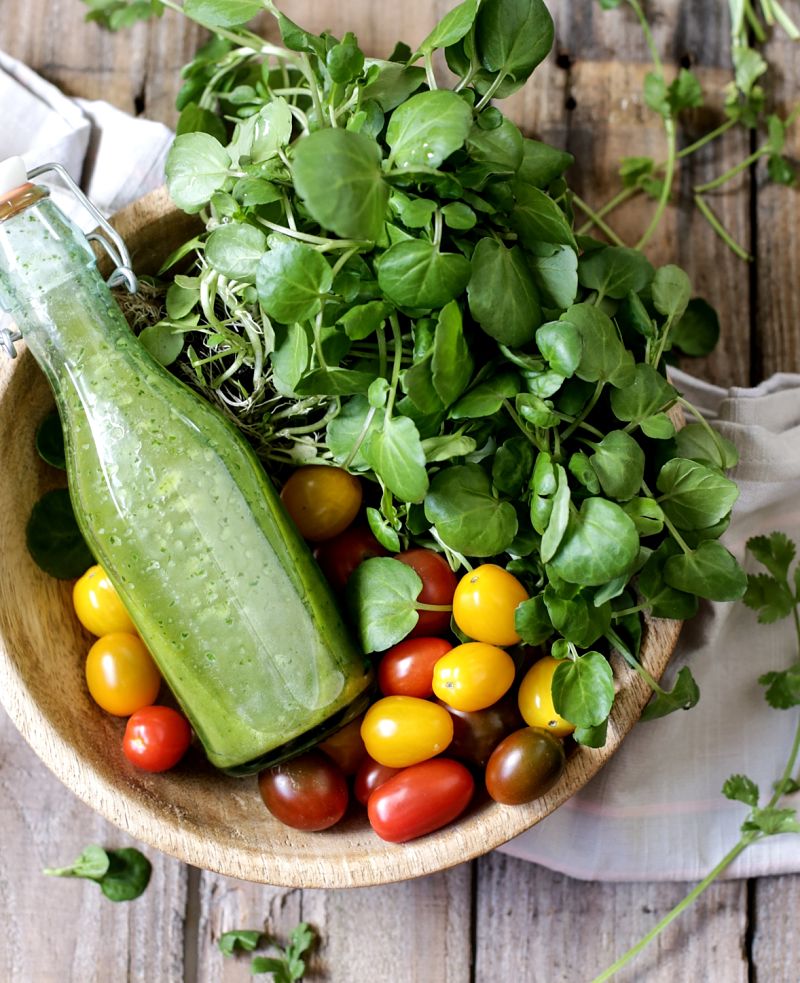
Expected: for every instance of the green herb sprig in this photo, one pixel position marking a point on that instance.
(774, 595)
(288, 966)
(122, 874)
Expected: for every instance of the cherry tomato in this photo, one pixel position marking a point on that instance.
(308, 792)
(321, 500)
(477, 733)
(346, 747)
(98, 605)
(339, 556)
(371, 775)
(484, 604)
(536, 699)
(156, 738)
(121, 674)
(473, 676)
(524, 765)
(420, 799)
(438, 585)
(407, 668)
(402, 730)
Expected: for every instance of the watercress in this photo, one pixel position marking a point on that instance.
(122, 874)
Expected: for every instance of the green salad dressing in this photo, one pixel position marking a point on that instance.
(177, 509)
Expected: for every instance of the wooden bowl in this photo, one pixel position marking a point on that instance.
(194, 812)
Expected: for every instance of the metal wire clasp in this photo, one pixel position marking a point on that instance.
(106, 236)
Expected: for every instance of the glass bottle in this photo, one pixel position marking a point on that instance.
(177, 509)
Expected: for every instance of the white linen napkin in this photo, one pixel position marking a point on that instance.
(655, 811)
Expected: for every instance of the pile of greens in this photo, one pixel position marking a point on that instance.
(389, 281)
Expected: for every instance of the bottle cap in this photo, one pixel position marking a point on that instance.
(13, 174)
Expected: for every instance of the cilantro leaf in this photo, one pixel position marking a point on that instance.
(775, 551)
(770, 597)
(783, 688)
(740, 788)
(239, 938)
(770, 821)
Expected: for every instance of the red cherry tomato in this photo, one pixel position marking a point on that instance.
(420, 799)
(339, 556)
(308, 792)
(371, 775)
(156, 738)
(346, 747)
(407, 668)
(438, 586)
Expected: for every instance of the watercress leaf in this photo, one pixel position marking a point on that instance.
(381, 594)
(296, 39)
(536, 410)
(683, 696)
(458, 215)
(50, 441)
(291, 280)
(647, 393)
(632, 313)
(770, 597)
(709, 571)
(599, 544)
(197, 165)
(513, 36)
(532, 621)
(543, 384)
(499, 148)
(658, 427)
(348, 430)
(580, 467)
(427, 128)
(163, 341)
(561, 344)
(92, 864)
(671, 290)
(452, 364)
(195, 119)
(618, 462)
(378, 392)
(335, 382)
(451, 28)
(591, 736)
(512, 465)
(608, 592)
(337, 173)
(364, 319)
(127, 876)
(418, 385)
(559, 515)
(222, 13)
(646, 514)
(181, 300)
(259, 137)
(613, 271)
(415, 274)
(740, 788)
(487, 397)
(395, 454)
(664, 601)
(703, 444)
(583, 689)
(235, 250)
(290, 357)
(392, 85)
(697, 332)
(693, 495)
(345, 60)
(782, 688)
(541, 164)
(604, 357)
(502, 294)
(53, 538)
(383, 531)
(467, 516)
(447, 447)
(537, 218)
(775, 552)
(556, 277)
(239, 938)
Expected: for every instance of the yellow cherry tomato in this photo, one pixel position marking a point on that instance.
(399, 731)
(98, 605)
(484, 604)
(473, 676)
(536, 699)
(121, 674)
(321, 500)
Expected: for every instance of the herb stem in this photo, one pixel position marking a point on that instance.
(514, 416)
(666, 188)
(486, 98)
(618, 199)
(672, 530)
(305, 67)
(429, 72)
(432, 607)
(648, 36)
(732, 172)
(395, 380)
(712, 135)
(720, 229)
(597, 219)
(578, 421)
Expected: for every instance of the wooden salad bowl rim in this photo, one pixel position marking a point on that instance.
(195, 813)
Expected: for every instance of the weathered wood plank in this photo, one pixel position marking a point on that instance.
(775, 942)
(535, 925)
(61, 929)
(413, 932)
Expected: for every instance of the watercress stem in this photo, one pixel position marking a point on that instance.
(579, 420)
(490, 92)
(666, 188)
(720, 229)
(398, 355)
(732, 172)
(597, 219)
(672, 530)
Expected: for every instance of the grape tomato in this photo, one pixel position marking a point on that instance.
(536, 698)
(438, 586)
(473, 676)
(484, 604)
(406, 669)
(339, 557)
(476, 733)
(524, 765)
(98, 606)
(321, 500)
(399, 731)
(308, 792)
(346, 747)
(121, 675)
(371, 775)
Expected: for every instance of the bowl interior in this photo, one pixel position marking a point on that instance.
(194, 812)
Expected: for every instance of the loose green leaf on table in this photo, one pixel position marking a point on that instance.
(122, 874)
(239, 938)
(683, 696)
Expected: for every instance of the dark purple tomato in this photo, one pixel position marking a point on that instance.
(438, 586)
(524, 765)
(346, 747)
(370, 775)
(477, 733)
(309, 792)
(406, 669)
(420, 799)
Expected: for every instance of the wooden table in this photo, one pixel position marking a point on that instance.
(496, 919)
